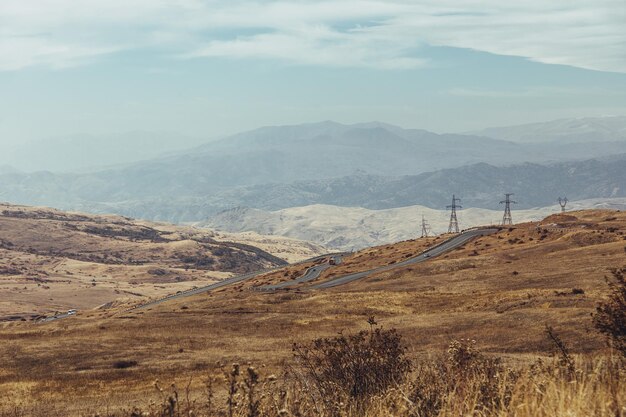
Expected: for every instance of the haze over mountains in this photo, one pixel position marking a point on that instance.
(91, 152)
(585, 129)
(372, 165)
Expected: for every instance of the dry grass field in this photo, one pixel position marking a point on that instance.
(500, 290)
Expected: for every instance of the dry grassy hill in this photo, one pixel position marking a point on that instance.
(500, 290)
(53, 261)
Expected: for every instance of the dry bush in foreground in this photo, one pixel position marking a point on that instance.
(465, 375)
(610, 317)
(350, 370)
(368, 375)
(481, 387)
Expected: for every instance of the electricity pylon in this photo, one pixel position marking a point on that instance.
(507, 219)
(562, 202)
(454, 223)
(425, 228)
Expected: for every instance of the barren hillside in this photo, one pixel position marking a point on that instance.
(501, 290)
(54, 261)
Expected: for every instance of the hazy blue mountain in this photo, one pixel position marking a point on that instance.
(586, 129)
(479, 185)
(371, 165)
(87, 152)
(319, 151)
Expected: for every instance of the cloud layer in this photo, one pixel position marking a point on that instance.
(338, 33)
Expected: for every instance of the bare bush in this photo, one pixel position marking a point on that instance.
(464, 376)
(353, 368)
(367, 375)
(610, 317)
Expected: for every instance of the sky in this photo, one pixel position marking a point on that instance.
(209, 68)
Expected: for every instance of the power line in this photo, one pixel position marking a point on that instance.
(454, 223)
(425, 227)
(507, 219)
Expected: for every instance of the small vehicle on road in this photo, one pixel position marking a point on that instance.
(427, 255)
(72, 311)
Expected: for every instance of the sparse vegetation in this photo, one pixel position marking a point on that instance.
(430, 304)
(123, 364)
(368, 374)
(129, 259)
(610, 317)
(352, 369)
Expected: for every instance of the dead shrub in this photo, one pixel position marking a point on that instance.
(565, 362)
(610, 317)
(465, 378)
(352, 369)
(123, 364)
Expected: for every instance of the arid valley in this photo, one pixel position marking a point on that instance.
(501, 290)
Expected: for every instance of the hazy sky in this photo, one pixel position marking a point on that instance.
(208, 68)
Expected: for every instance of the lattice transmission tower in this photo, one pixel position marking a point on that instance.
(507, 219)
(425, 228)
(562, 202)
(454, 222)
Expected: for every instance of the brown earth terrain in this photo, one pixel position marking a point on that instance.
(55, 261)
(501, 290)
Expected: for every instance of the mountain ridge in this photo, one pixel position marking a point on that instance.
(568, 130)
(353, 228)
(480, 185)
(278, 167)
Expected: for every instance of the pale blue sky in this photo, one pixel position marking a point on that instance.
(208, 68)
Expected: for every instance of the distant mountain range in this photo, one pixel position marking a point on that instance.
(479, 185)
(91, 152)
(585, 129)
(372, 165)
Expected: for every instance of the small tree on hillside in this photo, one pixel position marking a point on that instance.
(610, 317)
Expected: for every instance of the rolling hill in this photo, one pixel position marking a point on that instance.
(53, 261)
(500, 290)
(349, 228)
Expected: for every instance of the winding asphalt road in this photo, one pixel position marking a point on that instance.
(314, 272)
(57, 317)
(224, 283)
(437, 250)
(311, 274)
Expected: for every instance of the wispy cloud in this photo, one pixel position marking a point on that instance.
(360, 33)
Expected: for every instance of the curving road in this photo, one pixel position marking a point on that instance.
(229, 281)
(57, 317)
(311, 274)
(314, 272)
(437, 250)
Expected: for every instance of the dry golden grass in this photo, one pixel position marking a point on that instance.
(500, 290)
(363, 260)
